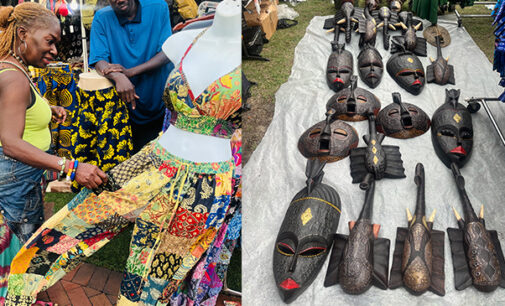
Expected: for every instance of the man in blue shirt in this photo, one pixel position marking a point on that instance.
(126, 40)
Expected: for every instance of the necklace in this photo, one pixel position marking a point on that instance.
(19, 59)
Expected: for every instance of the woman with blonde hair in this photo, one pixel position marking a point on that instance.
(28, 36)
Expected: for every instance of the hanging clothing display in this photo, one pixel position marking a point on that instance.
(499, 51)
(178, 206)
(9, 246)
(103, 134)
(58, 85)
(70, 45)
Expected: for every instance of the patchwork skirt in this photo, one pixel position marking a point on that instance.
(178, 208)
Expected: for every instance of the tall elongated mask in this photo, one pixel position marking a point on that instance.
(306, 234)
(370, 66)
(329, 140)
(402, 120)
(339, 69)
(452, 131)
(407, 70)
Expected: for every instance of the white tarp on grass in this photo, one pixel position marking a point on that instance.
(275, 172)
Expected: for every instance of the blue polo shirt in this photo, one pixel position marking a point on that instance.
(131, 43)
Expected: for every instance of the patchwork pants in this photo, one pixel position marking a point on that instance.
(178, 208)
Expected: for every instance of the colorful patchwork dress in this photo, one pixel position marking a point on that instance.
(178, 207)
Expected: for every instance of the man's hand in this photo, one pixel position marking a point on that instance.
(113, 68)
(125, 89)
(58, 114)
(118, 68)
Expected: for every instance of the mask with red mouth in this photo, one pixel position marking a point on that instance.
(452, 131)
(407, 70)
(402, 120)
(370, 66)
(329, 140)
(305, 235)
(353, 103)
(339, 68)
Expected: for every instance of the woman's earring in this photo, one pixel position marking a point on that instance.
(19, 48)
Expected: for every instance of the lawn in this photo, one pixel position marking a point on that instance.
(280, 51)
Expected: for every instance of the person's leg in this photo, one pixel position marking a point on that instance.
(144, 133)
(20, 196)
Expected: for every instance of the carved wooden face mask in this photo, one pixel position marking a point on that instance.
(452, 131)
(339, 69)
(402, 120)
(406, 69)
(328, 141)
(305, 237)
(370, 66)
(353, 103)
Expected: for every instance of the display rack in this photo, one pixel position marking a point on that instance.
(460, 17)
(474, 106)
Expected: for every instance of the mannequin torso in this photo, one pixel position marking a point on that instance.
(216, 53)
(93, 81)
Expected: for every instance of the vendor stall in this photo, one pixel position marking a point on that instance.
(276, 170)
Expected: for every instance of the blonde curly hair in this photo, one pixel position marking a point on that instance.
(27, 15)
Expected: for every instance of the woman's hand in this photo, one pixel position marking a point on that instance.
(90, 176)
(59, 114)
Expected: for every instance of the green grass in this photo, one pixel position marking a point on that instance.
(280, 51)
(480, 28)
(114, 254)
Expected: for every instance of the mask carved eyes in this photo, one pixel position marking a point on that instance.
(333, 70)
(406, 73)
(314, 133)
(313, 251)
(340, 134)
(466, 134)
(341, 99)
(344, 71)
(285, 249)
(393, 113)
(447, 133)
(412, 110)
(361, 99)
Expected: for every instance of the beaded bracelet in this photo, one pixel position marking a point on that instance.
(76, 163)
(62, 163)
(70, 169)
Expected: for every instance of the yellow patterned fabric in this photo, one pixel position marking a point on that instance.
(104, 136)
(58, 85)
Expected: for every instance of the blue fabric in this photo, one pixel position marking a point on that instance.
(20, 196)
(132, 44)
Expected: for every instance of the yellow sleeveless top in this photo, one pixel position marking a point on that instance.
(37, 120)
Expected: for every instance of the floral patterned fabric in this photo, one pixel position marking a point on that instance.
(58, 85)
(203, 285)
(178, 208)
(214, 112)
(9, 246)
(103, 134)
